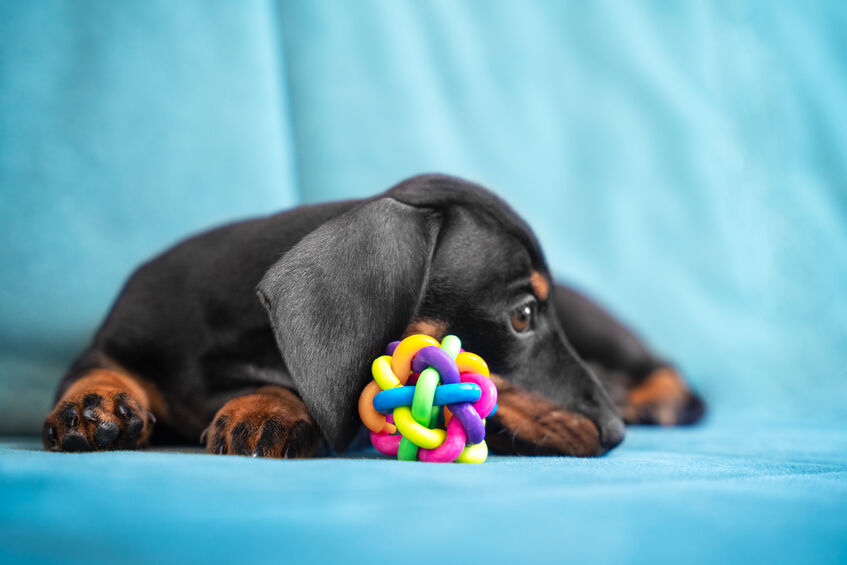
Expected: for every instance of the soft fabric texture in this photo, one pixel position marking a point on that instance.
(725, 494)
(123, 127)
(684, 163)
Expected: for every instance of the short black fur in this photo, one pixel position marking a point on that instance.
(335, 283)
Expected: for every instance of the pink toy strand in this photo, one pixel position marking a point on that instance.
(386, 443)
(486, 402)
(453, 445)
(456, 437)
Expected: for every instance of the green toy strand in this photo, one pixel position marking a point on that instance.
(452, 345)
(407, 451)
(424, 395)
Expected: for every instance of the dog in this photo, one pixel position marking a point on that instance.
(257, 336)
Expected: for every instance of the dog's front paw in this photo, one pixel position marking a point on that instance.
(103, 410)
(271, 422)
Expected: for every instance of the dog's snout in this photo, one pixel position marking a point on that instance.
(612, 433)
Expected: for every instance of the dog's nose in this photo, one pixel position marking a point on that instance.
(612, 433)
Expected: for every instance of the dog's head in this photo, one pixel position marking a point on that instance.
(435, 255)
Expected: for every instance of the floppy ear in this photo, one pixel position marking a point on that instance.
(340, 295)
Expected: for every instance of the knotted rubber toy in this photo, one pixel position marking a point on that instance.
(447, 388)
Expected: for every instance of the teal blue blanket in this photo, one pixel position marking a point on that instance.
(718, 494)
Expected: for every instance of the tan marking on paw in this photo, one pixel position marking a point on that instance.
(102, 410)
(658, 399)
(534, 426)
(156, 400)
(271, 422)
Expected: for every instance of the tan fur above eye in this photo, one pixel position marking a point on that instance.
(540, 286)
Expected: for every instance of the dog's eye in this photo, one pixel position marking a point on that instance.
(522, 318)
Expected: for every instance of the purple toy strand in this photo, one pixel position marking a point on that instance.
(437, 358)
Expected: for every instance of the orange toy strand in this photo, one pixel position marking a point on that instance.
(372, 419)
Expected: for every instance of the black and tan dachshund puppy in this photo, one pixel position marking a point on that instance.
(258, 335)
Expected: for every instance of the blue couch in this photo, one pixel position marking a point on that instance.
(683, 163)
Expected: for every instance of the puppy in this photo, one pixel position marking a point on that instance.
(257, 336)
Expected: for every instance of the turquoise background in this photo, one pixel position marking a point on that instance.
(684, 162)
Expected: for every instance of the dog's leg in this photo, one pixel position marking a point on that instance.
(270, 422)
(646, 388)
(102, 407)
(528, 424)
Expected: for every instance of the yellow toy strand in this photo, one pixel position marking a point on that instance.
(416, 433)
(476, 453)
(401, 361)
(383, 375)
